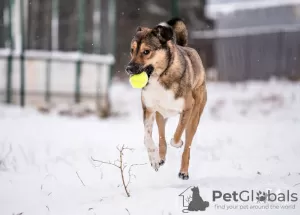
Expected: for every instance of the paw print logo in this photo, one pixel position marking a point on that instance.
(261, 197)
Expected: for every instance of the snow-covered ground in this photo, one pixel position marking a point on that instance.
(248, 138)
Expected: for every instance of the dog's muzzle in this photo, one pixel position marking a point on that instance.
(134, 69)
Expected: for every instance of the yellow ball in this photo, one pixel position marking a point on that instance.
(139, 80)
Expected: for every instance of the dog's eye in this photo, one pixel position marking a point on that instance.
(146, 52)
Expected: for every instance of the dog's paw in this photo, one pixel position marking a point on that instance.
(183, 176)
(162, 162)
(176, 145)
(154, 159)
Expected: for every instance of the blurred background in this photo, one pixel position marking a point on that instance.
(71, 51)
(65, 99)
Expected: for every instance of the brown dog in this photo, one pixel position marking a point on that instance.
(176, 86)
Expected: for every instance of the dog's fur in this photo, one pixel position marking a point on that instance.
(176, 86)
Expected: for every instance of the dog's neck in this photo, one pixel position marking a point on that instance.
(174, 70)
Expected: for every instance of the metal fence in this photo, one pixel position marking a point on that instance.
(42, 30)
(253, 41)
(256, 53)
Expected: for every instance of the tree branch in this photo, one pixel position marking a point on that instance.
(121, 165)
(104, 162)
(80, 179)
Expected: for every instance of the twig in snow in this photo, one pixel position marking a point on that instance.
(296, 184)
(103, 162)
(47, 207)
(121, 165)
(127, 211)
(130, 175)
(92, 209)
(80, 179)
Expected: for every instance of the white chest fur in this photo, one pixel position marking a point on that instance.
(157, 98)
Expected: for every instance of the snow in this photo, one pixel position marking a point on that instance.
(248, 138)
(61, 56)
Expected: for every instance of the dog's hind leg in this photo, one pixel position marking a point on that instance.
(161, 124)
(200, 101)
(149, 143)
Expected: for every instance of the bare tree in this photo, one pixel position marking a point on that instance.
(122, 166)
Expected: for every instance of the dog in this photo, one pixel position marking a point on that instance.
(197, 203)
(176, 85)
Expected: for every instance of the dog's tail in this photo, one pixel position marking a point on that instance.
(180, 30)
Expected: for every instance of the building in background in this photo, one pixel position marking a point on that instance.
(253, 39)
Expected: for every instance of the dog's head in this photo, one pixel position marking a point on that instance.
(195, 190)
(150, 50)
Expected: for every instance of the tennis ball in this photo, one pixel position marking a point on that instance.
(139, 80)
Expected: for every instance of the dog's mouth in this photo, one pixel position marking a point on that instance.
(148, 69)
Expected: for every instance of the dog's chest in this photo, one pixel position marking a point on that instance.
(157, 98)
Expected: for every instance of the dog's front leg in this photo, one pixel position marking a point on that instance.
(153, 152)
(161, 124)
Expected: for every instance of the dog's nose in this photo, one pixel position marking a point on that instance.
(130, 69)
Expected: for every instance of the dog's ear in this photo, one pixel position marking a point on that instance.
(164, 33)
(139, 29)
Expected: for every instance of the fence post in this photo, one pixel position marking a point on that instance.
(9, 58)
(174, 8)
(54, 46)
(97, 27)
(80, 40)
(113, 28)
(22, 58)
